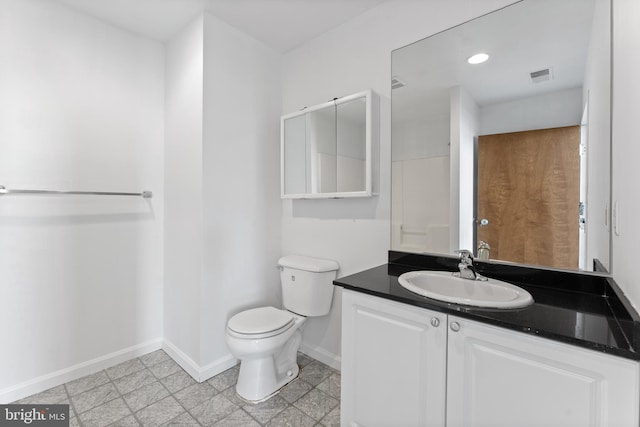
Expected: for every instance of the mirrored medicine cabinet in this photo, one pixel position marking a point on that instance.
(326, 149)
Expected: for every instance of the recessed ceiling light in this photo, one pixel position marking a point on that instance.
(478, 58)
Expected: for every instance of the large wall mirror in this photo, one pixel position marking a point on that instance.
(510, 155)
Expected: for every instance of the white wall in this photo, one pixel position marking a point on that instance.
(550, 110)
(183, 169)
(348, 59)
(222, 181)
(597, 90)
(222, 207)
(80, 108)
(464, 128)
(626, 149)
(241, 155)
(421, 137)
(296, 173)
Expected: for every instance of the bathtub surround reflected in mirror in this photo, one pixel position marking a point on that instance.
(511, 155)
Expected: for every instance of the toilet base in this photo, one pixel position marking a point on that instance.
(278, 386)
(261, 378)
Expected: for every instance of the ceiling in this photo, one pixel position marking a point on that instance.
(281, 24)
(523, 38)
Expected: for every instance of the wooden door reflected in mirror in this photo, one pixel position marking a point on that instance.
(528, 193)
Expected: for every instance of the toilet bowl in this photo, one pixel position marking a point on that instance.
(267, 351)
(266, 339)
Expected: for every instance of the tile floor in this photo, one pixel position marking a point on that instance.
(153, 390)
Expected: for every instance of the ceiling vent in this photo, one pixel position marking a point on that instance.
(541, 75)
(396, 83)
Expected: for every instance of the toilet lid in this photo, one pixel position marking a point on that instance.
(260, 321)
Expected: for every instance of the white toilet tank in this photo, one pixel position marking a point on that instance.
(307, 284)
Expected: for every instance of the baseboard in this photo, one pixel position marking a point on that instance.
(191, 367)
(199, 373)
(217, 366)
(53, 379)
(322, 355)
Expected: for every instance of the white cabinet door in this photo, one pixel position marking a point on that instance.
(393, 363)
(504, 378)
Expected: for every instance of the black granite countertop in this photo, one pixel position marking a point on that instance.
(582, 309)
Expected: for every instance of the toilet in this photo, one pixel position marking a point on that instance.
(266, 339)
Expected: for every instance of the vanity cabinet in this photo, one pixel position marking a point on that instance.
(404, 365)
(497, 377)
(393, 363)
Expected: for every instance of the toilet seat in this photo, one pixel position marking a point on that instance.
(260, 322)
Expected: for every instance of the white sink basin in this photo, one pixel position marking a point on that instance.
(444, 286)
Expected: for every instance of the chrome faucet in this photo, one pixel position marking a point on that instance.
(466, 267)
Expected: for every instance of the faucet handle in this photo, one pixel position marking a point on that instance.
(465, 254)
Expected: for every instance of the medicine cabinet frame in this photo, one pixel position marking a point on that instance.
(369, 97)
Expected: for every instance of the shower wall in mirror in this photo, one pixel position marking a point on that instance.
(511, 154)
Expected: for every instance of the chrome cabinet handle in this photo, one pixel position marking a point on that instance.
(455, 326)
(435, 322)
